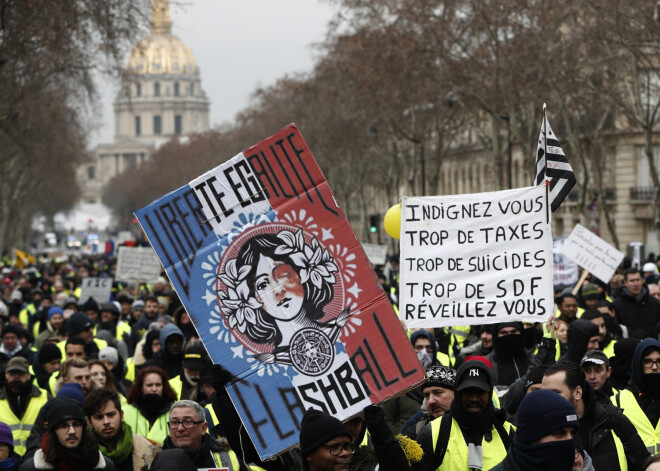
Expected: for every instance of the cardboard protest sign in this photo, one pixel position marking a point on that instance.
(565, 269)
(592, 253)
(375, 253)
(137, 263)
(97, 288)
(476, 259)
(280, 290)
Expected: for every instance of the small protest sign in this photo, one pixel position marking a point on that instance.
(97, 288)
(592, 253)
(476, 259)
(565, 269)
(137, 263)
(375, 253)
(280, 291)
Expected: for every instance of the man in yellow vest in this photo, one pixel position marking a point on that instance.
(606, 434)
(188, 430)
(473, 435)
(640, 401)
(544, 441)
(20, 401)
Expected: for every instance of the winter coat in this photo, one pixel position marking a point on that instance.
(400, 409)
(642, 314)
(507, 370)
(38, 462)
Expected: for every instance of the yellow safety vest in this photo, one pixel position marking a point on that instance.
(232, 456)
(140, 425)
(444, 359)
(25, 314)
(609, 350)
(21, 428)
(650, 436)
(121, 329)
(456, 456)
(177, 385)
(100, 344)
(130, 369)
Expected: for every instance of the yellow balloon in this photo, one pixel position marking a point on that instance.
(392, 221)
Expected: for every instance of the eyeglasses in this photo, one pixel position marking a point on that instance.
(188, 423)
(65, 426)
(649, 362)
(336, 448)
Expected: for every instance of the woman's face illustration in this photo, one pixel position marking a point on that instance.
(277, 286)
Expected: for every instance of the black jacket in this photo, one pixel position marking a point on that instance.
(597, 423)
(642, 314)
(507, 370)
(204, 456)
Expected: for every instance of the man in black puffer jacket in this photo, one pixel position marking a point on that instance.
(608, 436)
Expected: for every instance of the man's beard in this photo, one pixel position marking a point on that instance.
(16, 386)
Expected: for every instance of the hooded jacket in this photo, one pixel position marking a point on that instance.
(621, 362)
(172, 364)
(647, 396)
(637, 314)
(579, 333)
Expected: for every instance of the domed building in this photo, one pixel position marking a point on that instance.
(161, 97)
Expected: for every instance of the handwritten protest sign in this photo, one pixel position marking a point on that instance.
(476, 259)
(97, 288)
(592, 253)
(137, 263)
(565, 269)
(375, 253)
(280, 290)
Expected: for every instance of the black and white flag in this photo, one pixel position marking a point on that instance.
(551, 163)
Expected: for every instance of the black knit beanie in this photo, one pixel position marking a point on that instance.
(49, 352)
(579, 333)
(77, 323)
(318, 428)
(61, 409)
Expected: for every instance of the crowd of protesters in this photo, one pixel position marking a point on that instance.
(127, 385)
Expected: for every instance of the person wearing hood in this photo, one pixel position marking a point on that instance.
(545, 436)
(473, 434)
(640, 401)
(400, 409)
(582, 337)
(111, 321)
(509, 357)
(48, 365)
(184, 322)
(635, 307)
(606, 342)
(608, 436)
(170, 355)
(621, 363)
(149, 401)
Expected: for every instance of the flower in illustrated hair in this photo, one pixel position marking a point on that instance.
(239, 306)
(316, 264)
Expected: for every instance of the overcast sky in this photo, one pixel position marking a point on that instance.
(240, 45)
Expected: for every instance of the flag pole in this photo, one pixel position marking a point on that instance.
(545, 167)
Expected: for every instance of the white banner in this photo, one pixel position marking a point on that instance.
(565, 269)
(138, 263)
(375, 253)
(476, 259)
(592, 253)
(97, 288)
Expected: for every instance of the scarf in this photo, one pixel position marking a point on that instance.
(9, 463)
(549, 456)
(78, 459)
(152, 406)
(124, 445)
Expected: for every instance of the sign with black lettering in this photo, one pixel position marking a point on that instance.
(97, 288)
(137, 263)
(476, 259)
(280, 290)
(592, 253)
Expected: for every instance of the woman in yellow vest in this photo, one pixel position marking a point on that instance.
(149, 401)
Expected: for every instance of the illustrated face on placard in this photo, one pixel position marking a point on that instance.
(281, 295)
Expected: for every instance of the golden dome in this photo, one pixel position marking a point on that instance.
(161, 52)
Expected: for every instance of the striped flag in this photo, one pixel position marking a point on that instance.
(552, 164)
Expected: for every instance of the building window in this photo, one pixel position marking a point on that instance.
(176, 89)
(91, 172)
(157, 89)
(177, 124)
(157, 125)
(138, 126)
(138, 89)
(192, 89)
